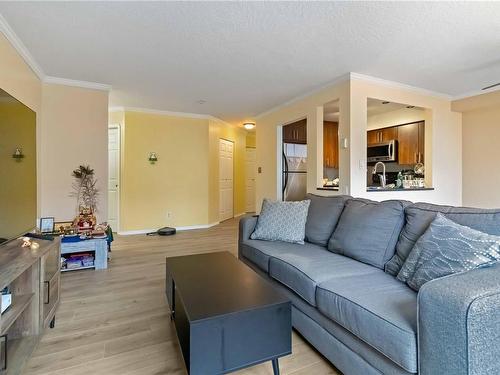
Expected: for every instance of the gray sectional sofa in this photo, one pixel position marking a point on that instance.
(349, 305)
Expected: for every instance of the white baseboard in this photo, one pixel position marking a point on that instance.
(240, 214)
(145, 231)
(203, 226)
(139, 231)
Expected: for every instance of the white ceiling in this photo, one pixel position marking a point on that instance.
(246, 57)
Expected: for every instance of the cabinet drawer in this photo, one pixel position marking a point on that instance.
(50, 297)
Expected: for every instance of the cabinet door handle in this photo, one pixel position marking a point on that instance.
(416, 157)
(4, 354)
(48, 292)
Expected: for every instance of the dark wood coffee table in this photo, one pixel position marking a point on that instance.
(227, 317)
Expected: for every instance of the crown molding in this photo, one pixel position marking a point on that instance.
(361, 77)
(76, 83)
(160, 112)
(398, 85)
(20, 48)
(168, 113)
(471, 94)
(336, 81)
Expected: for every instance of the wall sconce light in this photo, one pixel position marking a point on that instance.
(153, 158)
(249, 125)
(18, 154)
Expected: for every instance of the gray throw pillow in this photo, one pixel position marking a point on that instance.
(446, 248)
(323, 216)
(368, 231)
(282, 221)
(420, 215)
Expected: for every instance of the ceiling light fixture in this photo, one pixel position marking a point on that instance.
(249, 125)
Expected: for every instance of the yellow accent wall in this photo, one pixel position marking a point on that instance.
(17, 78)
(182, 188)
(18, 204)
(116, 118)
(218, 130)
(251, 139)
(177, 183)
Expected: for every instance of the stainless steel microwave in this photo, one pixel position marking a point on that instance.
(385, 151)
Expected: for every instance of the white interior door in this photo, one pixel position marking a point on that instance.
(250, 160)
(226, 151)
(113, 177)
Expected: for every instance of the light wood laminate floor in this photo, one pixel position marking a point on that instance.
(116, 321)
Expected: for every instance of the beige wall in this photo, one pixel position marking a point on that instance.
(481, 155)
(17, 78)
(74, 131)
(268, 127)
(443, 155)
(71, 120)
(397, 117)
(444, 126)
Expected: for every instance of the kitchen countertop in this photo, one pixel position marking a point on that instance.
(329, 188)
(399, 189)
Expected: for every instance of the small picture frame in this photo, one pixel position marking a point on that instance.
(46, 224)
(61, 226)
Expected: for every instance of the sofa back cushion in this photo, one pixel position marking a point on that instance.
(368, 231)
(323, 216)
(420, 215)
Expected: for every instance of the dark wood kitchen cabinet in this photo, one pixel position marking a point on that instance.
(382, 135)
(331, 144)
(411, 143)
(295, 132)
(421, 141)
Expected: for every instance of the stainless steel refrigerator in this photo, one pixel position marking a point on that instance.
(294, 171)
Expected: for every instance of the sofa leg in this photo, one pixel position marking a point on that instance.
(276, 367)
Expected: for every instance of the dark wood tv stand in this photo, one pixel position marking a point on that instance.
(34, 279)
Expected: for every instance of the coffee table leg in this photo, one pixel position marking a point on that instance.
(172, 308)
(276, 367)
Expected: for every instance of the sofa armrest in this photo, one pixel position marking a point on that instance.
(247, 226)
(459, 323)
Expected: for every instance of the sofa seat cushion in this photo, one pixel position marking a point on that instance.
(259, 252)
(303, 271)
(379, 309)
